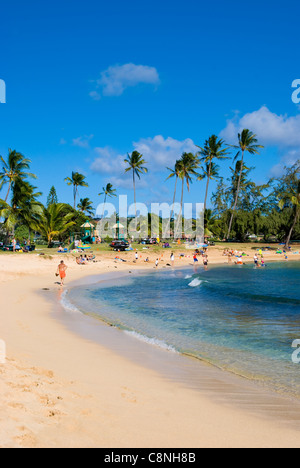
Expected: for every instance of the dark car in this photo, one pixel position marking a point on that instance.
(121, 245)
(149, 241)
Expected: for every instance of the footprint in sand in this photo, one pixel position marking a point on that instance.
(128, 395)
(26, 438)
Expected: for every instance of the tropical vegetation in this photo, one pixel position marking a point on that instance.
(238, 208)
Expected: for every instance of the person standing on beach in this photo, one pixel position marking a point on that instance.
(172, 258)
(14, 243)
(61, 272)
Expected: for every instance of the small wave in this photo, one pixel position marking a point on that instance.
(152, 341)
(196, 282)
(188, 277)
(67, 305)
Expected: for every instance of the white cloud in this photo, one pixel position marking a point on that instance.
(116, 79)
(83, 141)
(160, 152)
(95, 95)
(270, 128)
(108, 161)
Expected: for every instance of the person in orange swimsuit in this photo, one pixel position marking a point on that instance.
(61, 271)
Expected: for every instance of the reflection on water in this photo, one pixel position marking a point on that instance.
(239, 318)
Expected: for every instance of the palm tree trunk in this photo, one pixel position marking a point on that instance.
(288, 240)
(236, 197)
(104, 207)
(179, 221)
(207, 185)
(9, 187)
(134, 194)
(172, 212)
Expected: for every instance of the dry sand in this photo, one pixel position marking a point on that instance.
(60, 390)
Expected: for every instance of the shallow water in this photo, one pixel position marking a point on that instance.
(239, 318)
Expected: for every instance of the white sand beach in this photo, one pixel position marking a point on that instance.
(61, 390)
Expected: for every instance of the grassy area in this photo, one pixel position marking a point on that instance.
(101, 248)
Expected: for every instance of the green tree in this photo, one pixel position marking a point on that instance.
(25, 199)
(86, 206)
(290, 197)
(173, 173)
(108, 191)
(136, 164)
(52, 197)
(53, 222)
(188, 164)
(212, 151)
(247, 143)
(16, 167)
(76, 180)
(24, 209)
(219, 198)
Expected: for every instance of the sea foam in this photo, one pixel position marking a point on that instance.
(67, 305)
(152, 341)
(196, 282)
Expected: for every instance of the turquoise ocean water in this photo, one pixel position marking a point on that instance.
(240, 319)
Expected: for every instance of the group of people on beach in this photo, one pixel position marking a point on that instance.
(257, 263)
(84, 259)
(204, 255)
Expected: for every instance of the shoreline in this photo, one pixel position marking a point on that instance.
(85, 330)
(61, 390)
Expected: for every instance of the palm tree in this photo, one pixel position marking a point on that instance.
(247, 143)
(210, 171)
(212, 150)
(86, 206)
(292, 198)
(53, 221)
(14, 168)
(10, 216)
(136, 164)
(24, 209)
(211, 223)
(188, 164)
(173, 173)
(108, 191)
(77, 180)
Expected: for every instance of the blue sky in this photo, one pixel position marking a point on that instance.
(89, 81)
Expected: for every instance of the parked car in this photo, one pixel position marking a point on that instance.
(121, 245)
(149, 241)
